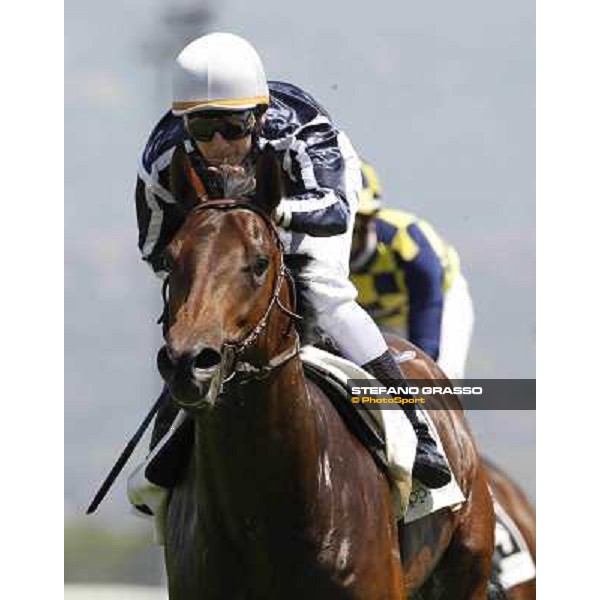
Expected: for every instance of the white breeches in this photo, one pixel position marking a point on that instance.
(458, 318)
(329, 288)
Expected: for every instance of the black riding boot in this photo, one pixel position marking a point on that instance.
(430, 467)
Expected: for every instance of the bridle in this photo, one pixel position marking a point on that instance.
(232, 366)
(233, 350)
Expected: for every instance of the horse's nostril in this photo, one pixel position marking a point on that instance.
(207, 359)
(164, 362)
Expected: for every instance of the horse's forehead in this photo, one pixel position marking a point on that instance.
(255, 225)
(243, 225)
(251, 223)
(221, 230)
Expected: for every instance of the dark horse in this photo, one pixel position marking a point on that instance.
(279, 500)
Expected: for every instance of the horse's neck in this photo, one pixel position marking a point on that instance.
(282, 395)
(262, 431)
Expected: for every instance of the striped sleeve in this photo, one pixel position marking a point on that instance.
(158, 215)
(315, 167)
(158, 222)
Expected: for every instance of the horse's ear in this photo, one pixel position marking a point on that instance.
(182, 178)
(269, 188)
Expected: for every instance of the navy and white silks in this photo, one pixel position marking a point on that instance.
(321, 182)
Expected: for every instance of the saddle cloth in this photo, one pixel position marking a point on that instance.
(512, 556)
(412, 500)
(424, 501)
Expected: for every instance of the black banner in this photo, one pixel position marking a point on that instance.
(474, 394)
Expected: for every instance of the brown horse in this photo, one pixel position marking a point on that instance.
(279, 499)
(521, 511)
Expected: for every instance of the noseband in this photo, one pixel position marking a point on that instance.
(234, 349)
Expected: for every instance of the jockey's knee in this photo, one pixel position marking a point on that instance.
(353, 330)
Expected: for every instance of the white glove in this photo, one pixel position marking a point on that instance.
(282, 216)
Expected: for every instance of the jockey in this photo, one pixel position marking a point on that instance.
(223, 113)
(409, 280)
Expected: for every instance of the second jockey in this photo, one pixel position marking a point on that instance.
(223, 113)
(409, 279)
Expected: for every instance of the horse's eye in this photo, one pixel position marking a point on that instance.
(260, 266)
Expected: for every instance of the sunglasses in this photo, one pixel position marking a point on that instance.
(231, 126)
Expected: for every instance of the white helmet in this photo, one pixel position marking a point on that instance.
(219, 71)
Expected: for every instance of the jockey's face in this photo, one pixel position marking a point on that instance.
(220, 151)
(222, 138)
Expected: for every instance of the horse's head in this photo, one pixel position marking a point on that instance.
(226, 273)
